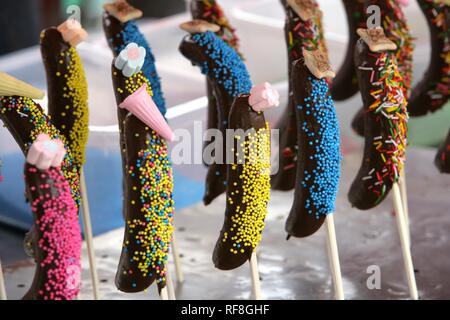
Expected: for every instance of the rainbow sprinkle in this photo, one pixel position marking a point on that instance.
(390, 113)
(153, 231)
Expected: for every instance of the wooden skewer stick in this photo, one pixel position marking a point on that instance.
(256, 284)
(163, 294)
(176, 260)
(404, 194)
(88, 237)
(333, 255)
(170, 285)
(2, 284)
(403, 233)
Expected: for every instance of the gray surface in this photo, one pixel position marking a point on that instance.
(298, 268)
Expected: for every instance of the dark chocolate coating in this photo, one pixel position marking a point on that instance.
(217, 172)
(345, 84)
(112, 29)
(243, 117)
(299, 222)
(198, 10)
(134, 134)
(420, 102)
(298, 35)
(52, 48)
(284, 179)
(442, 160)
(359, 195)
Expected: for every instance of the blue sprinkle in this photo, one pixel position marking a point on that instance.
(323, 185)
(227, 68)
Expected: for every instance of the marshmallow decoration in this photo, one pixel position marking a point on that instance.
(130, 60)
(45, 152)
(144, 108)
(72, 32)
(263, 97)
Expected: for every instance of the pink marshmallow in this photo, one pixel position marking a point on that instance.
(263, 97)
(45, 152)
(403, 2)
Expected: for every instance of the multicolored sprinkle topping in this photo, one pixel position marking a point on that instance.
(248, 220)
(390, 112)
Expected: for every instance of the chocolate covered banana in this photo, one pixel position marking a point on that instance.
(148, 177)
(396, 29)
(345, 85)
(303, 30)
(229, 78)
(433, 91)
(248, 188)
(385, 119)
(318, 139)
(67, 85)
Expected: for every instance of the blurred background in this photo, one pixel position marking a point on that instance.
(22, 20)
(259, 25)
